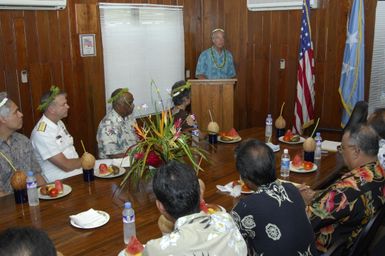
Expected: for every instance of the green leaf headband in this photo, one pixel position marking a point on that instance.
(53, 92)
(180, 89)
(117, 96)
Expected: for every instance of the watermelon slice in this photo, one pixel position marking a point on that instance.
(230, 135)
(134, 247)
(297, 161)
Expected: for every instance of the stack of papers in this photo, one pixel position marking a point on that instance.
(329, 145)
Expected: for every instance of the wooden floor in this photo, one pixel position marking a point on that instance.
(103, 194)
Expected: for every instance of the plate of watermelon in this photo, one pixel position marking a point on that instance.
(134, 247)
(231, 136)
(291, 138)
(300, 166)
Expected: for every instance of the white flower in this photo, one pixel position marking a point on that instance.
(273, 231)
(248, 222)
(169, 240)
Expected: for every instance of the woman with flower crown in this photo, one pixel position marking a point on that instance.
(216, 62)
(181, 98)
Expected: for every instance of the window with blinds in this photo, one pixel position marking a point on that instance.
(142, 43)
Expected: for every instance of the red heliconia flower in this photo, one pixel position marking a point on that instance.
(178, 123)
(329, 204)
(153, 159)
(139, 155)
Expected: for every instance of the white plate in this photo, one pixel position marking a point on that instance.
(229, 141)
(273, 147)
(243, 191)
(66, 190)
(99, 224)
(301, 140)
(219, 207)
(301, 170)
(109, 176)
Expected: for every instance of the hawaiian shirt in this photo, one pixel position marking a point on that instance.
(20, 152)
(50, 139)
(381, 153)
(273, 221)
(115, 134)
(200, 234)
(210, 64)
(343, 209)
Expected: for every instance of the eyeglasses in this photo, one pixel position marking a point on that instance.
(341, 148)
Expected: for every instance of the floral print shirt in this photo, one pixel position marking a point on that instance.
(273, 221)
(115, 134)
(200, 234)
(345, 207)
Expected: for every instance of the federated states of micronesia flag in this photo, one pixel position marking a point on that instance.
(353, 70)
(305, 98)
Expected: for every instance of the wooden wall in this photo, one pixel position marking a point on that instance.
(46, 44)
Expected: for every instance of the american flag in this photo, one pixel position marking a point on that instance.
(304, 102)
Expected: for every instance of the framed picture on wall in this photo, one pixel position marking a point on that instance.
(87, 45)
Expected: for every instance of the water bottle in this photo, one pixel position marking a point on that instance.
(128, 222)
(33, 196)
(269, 128)
(318, 150)
(285, 163)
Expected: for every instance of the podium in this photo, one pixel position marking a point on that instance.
(216, 96)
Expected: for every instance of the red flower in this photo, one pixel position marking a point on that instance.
(365, 175)
(139, 155)
(329, 204)
(178, 123)
(153, 159)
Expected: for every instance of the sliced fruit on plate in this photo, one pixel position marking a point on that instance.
(291, 137)
(104, 170)
(297, 161)
(232, 134)
(308, 165)
(134, 247)
(244, 187)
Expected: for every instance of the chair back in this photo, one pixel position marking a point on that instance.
(366, 236)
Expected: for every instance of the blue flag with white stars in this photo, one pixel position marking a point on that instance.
(352, 75)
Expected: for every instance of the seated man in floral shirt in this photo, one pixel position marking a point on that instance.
(176, 189)
(345, 207)
(116, 132)
(272, 220)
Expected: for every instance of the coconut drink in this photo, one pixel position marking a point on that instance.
(280, 124)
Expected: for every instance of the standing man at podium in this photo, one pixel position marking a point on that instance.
(216, 62)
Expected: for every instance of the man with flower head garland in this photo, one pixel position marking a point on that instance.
(14, 147)
(216, 62)
(181, 97)
(116, 132)
(343, 209)
(54, 146)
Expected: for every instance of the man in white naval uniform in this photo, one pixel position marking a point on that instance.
(53, 144)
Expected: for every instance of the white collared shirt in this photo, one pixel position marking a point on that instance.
(49, 139)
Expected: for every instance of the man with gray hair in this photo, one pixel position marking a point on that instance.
(216, 62)
(346, 206)
(53, 144)
(14, 146)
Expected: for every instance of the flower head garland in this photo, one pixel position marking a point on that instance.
(117, 96)
(53, 92)
(180, 89)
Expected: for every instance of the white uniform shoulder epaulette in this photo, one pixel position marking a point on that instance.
(41, 127)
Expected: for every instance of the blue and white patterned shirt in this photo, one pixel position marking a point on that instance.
(213, 69)
(115, 134)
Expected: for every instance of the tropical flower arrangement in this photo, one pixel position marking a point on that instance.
(160, 140)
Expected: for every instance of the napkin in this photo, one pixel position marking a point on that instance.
(330, 145)
(88, 218)
(234, 191)
(273, 147)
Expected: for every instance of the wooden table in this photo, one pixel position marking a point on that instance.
(53, 215)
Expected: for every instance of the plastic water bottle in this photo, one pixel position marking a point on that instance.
(318, 149)
(269, 128)
(128, 222)
(285, 163)
(33, 196)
